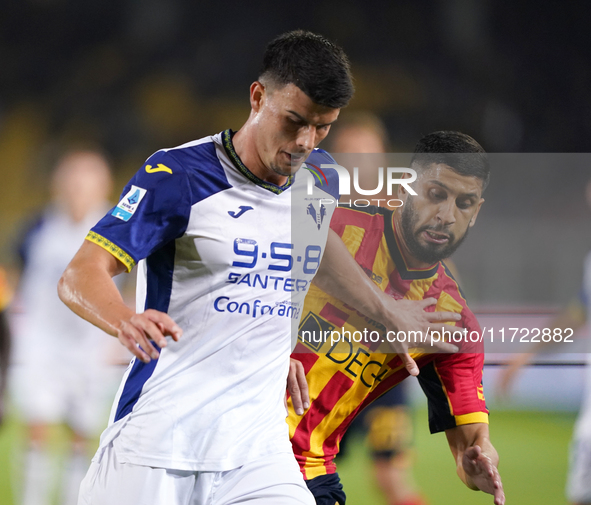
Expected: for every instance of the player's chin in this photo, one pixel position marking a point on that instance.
(293, 161)
(432, 253)
(285, 169)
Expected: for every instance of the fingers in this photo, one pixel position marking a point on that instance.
(130, 336)
(426, 302)
(438, 335)
(153, 332)
(483, 473)
(437, 317)
(166, 324)
(137, 333)
(473, 452)
(409, 363)
(298, 386)
(499, 493)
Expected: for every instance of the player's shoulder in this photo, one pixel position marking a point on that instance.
(194, 166)
(321, 156)
(197, 155)
(324, 169)
(447, 280)
(448, 284)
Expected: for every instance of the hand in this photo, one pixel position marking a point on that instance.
(141, 328)
(298, 386)
(484, 475)
(409, 315)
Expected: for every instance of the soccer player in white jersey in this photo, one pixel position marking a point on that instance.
(61, 361)
(5, 339)
(228, 240)
(572, 318)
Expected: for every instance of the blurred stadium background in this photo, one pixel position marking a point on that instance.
(134, 76)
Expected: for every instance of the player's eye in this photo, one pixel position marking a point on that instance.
(437, 195)
(464, 204)
(294, 121)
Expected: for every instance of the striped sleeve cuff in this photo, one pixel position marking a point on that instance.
(474, 417)
(115, 250)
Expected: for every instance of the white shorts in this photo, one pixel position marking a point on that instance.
(274, 480)
(578, 487)
(73, 393)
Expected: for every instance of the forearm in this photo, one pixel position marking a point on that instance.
(340, 276)
(87, 288)
(570, 318)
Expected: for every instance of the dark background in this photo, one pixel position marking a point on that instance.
(134, 76)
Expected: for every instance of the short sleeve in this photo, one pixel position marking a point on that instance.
(454, 390)
(153, 210)
(325, 178)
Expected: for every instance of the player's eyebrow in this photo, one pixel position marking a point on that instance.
(304, 120)
(444, 186)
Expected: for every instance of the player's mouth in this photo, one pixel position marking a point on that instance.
(435, 237)
(296, 158)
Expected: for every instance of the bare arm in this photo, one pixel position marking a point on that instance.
(340, 276)
(88, 289)
(476, 459)
(572, 316)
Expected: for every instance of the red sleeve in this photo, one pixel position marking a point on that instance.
(453, 383)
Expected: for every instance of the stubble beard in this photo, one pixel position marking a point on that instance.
(426, 253)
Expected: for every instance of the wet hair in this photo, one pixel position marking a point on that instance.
(318, 67)
(457, 150)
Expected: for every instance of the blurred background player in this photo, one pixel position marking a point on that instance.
(4, 339)
(574, 316)
(61, 376)
(387, 422)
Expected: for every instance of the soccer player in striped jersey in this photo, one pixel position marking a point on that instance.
(227, 250)
(402, 252)
(387, 422)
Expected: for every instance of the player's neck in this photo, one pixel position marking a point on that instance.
(244, 142)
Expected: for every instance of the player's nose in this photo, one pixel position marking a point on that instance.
(307, 138)
(446, 212)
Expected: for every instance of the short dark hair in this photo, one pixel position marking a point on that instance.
(318, 67)
(457, 150)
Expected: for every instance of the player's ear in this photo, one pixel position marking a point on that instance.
(257, 95)
(473, 220)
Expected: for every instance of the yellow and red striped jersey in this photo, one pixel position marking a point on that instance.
(344, 378)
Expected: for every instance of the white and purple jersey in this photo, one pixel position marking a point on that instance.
(230, 258)
(583, 425)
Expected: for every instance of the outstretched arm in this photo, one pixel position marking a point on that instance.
(340, 276)
(477, 460)
(572, 317)
(88, 289)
